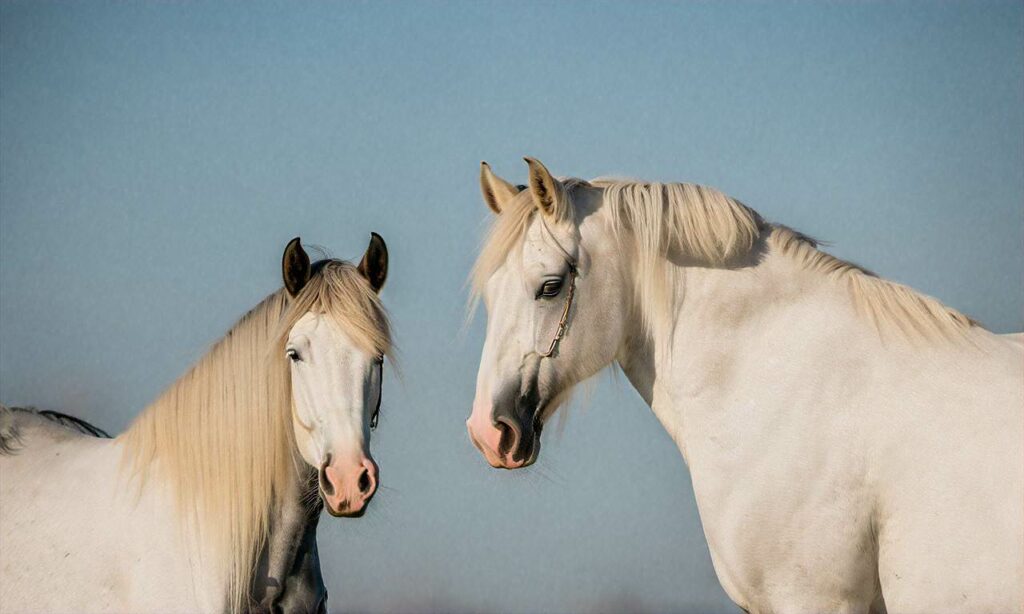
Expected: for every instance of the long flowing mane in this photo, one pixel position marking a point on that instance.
(221, 436)
(653, 220)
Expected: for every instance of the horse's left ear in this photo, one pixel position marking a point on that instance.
(374, 265)
(548, 192)
(496, 191)
(294, 267)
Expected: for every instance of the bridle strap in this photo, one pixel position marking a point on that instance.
(551, 235)
(565, 313)
(380, 394)
(560, 331)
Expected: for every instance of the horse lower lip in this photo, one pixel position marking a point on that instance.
(346, 514)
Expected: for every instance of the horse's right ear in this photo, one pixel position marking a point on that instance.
(295, 267)
(374, 265)
(496, 191)
(548, 192)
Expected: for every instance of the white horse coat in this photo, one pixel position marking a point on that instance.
(75, 539)
(853, 445)
(208, 502)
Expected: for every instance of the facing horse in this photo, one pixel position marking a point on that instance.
(185, 508)
(853, 445)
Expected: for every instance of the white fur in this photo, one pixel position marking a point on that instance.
(335, 387)
(172, 515)
(853, 445)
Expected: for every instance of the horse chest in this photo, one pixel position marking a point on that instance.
(799, 544)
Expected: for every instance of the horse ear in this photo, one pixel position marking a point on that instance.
(295, 267)
(496, 190)
(374, 265)
(548, 192)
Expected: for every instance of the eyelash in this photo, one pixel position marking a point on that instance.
(549, 289)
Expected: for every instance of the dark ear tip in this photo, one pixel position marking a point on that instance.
(295, 266)
(295, 245)
(374, 265)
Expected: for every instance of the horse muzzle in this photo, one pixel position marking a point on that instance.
(507, 433)
(347, 488)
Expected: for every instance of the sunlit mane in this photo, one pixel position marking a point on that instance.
(886, 303)
(651, 220)
(222, 435)
(703, 225)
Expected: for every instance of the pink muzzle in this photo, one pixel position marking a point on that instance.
(348, 486)
(496, 440)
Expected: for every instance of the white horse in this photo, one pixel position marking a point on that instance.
(854, 445)
(208, 502)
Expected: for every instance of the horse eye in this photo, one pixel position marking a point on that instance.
(550, 288)
(293, 355)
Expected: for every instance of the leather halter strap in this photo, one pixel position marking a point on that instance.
(560, 331)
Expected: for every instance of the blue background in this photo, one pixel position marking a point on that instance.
(155, 159)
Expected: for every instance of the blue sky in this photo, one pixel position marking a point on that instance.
(155, 158)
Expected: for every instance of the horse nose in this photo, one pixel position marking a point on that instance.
(484, 435)
(498, 441)
(511, 435)
(367, 483)
(347, 487)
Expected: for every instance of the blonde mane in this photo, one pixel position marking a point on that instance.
(222, 435)
(701, 224)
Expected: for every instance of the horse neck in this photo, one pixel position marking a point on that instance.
(728, 324)
(288, 572)
(232, 405)
(220, 439)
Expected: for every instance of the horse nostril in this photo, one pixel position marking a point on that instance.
(325, 484)
(364, 481)
(509, 437)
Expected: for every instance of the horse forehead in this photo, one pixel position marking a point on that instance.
(320, 326)
(543, 245)
(305, 325)
(502, 285)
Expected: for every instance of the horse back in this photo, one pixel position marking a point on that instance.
(21, 427)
